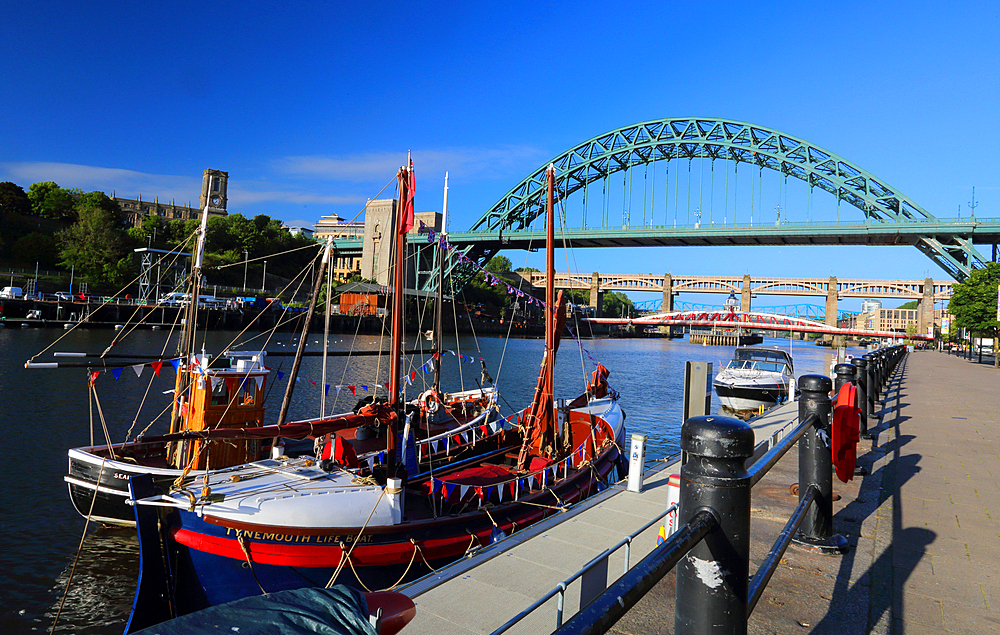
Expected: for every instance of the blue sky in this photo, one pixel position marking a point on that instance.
(310, 107)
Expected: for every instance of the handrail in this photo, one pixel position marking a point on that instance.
(766, 569)
(760, 468)
(560, 588)
(715, 485)
(610, 606)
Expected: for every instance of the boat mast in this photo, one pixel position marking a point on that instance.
(405, 207)
(326, 330)
(550, 294)
(438, 328)
(186, 344)
(541, 416)
(283, 413)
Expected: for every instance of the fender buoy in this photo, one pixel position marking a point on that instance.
(430, 401)
(846, 432)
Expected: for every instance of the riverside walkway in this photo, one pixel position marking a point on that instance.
(479, 594)
(924, 525)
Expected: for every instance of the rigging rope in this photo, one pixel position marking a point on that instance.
(79, 549)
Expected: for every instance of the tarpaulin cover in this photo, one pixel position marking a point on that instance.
(336, 611)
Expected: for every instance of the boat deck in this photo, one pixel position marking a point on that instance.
(481, 593)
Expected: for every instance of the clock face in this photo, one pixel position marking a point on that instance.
(215, 200)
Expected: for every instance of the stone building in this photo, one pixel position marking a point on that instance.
(379, 228)
(214, 188)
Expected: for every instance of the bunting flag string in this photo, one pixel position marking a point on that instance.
(491, 279)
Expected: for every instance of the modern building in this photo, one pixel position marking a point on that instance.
(214, 189)
(298, 230)
(896, 320)
(869, 306)
(333, 225)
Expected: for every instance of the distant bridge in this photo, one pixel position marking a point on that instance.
(925, 292)
(750, 321)
(802, 310)
(676, 283)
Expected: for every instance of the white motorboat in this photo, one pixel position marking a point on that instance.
(755, 377)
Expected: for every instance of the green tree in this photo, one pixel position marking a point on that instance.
(912, 304)
(13, 204)
(96, 243)
(974, 304)
(499, 264)
(613, 302)
(526, 270)
(48, 200)
(13, 199)
(35, 247)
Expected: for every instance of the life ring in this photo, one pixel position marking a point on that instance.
(430, 401)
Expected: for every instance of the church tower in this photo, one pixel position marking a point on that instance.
(213, 189)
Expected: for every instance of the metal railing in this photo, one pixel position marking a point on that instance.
(601, 558)
(714, 590)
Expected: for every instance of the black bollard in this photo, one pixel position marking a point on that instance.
(871, 385)
(816, 469)
(861, 375)
(712, 579)
(845, 375)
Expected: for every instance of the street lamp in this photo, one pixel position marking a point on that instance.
(263, 277)
(245, 270)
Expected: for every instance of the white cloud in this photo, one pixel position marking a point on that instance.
(485, 163)
(165, 187)
(125, 183)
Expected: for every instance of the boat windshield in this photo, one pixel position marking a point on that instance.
(760, 359)
(750, 364)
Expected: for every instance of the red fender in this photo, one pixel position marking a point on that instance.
(397, 610)
(846, 432)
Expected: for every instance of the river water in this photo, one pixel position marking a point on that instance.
(45, 412)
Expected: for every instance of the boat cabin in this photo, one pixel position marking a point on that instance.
(226, 392)
(766, 359)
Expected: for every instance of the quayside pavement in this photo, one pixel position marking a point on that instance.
(923, 525)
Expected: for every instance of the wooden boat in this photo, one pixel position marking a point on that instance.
(218, 420)
(286, 523)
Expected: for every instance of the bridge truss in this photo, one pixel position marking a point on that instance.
(947, 244)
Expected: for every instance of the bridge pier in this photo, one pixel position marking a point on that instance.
(667, 305)
(595, 294)
(745, 295)
(925, 308)
(831, 306)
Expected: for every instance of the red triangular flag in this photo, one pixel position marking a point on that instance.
(156, 368)
(354, 390)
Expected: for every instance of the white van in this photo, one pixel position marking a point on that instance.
(12, 293)
(174, 299)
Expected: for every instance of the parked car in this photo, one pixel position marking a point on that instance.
(12, 293)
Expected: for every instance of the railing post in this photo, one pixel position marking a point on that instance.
(816, 469)
(861, 376)
(871, 386)
(712, 579)
(845, 375)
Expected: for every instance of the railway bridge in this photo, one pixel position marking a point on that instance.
(925, 292)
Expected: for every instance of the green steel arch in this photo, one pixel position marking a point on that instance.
(691, 138)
